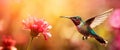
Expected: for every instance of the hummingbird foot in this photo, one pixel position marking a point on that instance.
(84, 38)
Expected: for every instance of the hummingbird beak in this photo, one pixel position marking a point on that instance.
(64, 17)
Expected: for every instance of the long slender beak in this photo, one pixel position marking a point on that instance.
(64, 17)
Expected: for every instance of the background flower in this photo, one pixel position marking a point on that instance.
(8, 43)
(114, 21)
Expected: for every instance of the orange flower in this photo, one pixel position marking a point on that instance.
(37, 26)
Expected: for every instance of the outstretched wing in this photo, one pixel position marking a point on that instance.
(97, 20)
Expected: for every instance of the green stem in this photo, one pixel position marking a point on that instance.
(30, 43)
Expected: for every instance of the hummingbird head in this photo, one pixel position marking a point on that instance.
(76, 19)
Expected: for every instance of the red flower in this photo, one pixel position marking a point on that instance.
(37, 26)
(8, 43)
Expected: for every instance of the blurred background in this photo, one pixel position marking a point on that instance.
(64, 33)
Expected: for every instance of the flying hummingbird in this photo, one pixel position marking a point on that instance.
(85, 27)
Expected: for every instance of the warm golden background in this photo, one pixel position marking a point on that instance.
(64, 34)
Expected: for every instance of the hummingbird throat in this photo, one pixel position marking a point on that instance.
(81, 23)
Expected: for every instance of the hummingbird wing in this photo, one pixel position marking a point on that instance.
(98, 19)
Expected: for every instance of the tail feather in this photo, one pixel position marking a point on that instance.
(100, 39)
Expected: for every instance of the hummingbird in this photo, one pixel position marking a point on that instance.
(86, 27)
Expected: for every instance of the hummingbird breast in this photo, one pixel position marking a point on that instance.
(83, 30)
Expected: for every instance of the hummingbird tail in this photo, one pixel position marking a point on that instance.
(101, 40)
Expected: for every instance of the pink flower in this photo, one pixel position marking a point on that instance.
(115, 19)
(37, 26)
(115, 24)
(8, 43)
